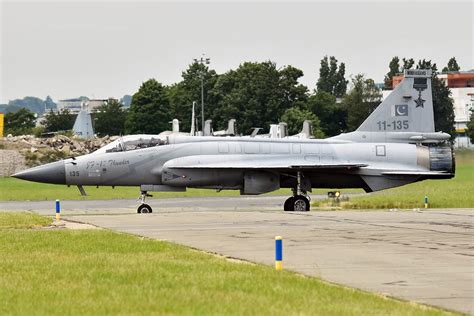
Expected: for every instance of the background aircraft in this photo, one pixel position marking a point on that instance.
(395, 145)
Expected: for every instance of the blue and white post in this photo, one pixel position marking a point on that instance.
(278, 253)
(426, 201)
(58, 210)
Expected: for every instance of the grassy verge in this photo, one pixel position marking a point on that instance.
(456, 192)
(22, 220)
(12, 189)
(100, 272)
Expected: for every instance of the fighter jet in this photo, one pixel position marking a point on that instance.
(396, 145)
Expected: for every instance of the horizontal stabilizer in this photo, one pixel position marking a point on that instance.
(417, 173)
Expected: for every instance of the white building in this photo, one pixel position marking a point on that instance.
(76, 105)
(72, 105)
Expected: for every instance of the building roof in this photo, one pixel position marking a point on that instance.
(455, 79)
(71, 100)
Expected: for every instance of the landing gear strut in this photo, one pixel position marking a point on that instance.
(299, 202)
(144, 208)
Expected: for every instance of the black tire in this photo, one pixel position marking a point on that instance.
(288, 206)
(300, 203)
(144, 208)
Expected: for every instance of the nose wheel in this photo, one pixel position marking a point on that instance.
(144, 208)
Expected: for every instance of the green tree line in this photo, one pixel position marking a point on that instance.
(258, 94)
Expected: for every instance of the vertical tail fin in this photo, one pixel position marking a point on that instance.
(409, 108)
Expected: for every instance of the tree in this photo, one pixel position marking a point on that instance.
(407, 64)
(427, 64)
(470, 127)
(149, 111)
(257, 94)
(394, 69)
(110, 119)
(331, 79)
(295, 117)
(20, 122)
(340, 85)
(452, 65)
(443, 105)
(251, 94)
(361, 101)
(332, 115)
(293, 94)
(183, 94)
(58, 121)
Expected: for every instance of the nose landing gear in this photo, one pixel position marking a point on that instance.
(144, 208)
(299, 202)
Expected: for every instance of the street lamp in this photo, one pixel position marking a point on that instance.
(203, 61)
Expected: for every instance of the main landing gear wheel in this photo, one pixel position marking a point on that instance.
(300, 203)
(144, 208)
(288, 206)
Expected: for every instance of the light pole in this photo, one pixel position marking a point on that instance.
(203, 61)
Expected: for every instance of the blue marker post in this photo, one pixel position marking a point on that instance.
(278, 253)
(426, 201)
(58, 210)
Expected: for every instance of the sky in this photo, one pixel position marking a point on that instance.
(107, 49)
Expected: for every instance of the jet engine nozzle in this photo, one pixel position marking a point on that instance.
(441, 159)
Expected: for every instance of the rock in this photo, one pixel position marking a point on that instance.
(66, 148)
(33, 149)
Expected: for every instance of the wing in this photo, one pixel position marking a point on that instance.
(274, 162)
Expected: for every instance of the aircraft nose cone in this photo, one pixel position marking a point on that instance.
(54, 172)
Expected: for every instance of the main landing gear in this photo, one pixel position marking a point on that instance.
(144, 208)
(299, 202)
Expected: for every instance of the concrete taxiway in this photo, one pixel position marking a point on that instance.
(425, 256)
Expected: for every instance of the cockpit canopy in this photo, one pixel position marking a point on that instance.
(132, 142)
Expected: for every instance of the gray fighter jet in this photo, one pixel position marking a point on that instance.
(396, 145)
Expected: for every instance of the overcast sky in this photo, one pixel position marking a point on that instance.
(108, 48)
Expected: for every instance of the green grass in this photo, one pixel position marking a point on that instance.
(22, 220)
(456, 192)
(97, 272)
(12, 189)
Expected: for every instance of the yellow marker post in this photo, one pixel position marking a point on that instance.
(2, 117)
(278, 253)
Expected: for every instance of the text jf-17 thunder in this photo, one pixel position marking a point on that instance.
(396, 145)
